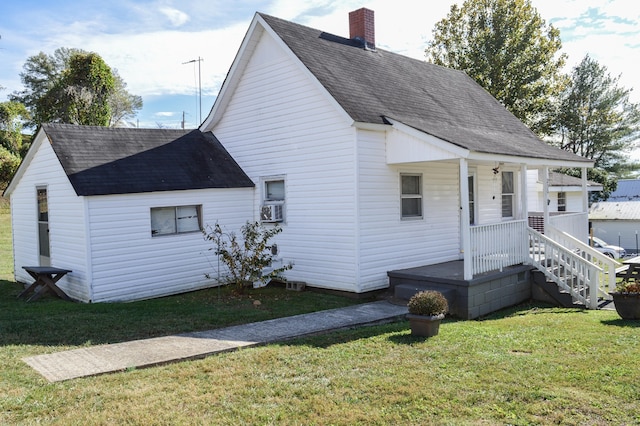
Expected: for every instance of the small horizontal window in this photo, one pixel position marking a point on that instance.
(175, 220)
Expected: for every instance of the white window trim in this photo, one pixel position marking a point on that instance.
(473, 173)
(263, 194)
(412, 196)
(166, 234)
(513, 194)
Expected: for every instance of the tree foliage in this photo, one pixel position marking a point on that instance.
(596, 118)
(12, 114)
(12, 148)
(73, 86)
(81, 94)
(124, 105)
(507, 48)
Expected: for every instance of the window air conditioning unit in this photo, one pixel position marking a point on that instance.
(271, 213)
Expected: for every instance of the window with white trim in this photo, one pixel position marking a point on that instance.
(273, 200)
(508, 193)
(411, 196)
(175, 220)
(562, 201)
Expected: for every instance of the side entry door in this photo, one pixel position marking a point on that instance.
(43, 227)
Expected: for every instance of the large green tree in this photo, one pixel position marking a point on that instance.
(81, 94)
(596, 119)
(44, 78)
(506, 47)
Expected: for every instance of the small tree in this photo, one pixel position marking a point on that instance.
(247, 259)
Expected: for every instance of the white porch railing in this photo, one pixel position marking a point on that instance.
(607, 275)
(574, 266)
(566, 267)
(498, 245)
(576, 224)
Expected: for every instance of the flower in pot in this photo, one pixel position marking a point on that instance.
(626, 299)
(426, 309)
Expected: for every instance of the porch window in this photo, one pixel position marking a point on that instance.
(472, 201)
(562, 201)
(411, 195)
(175, 220)
(507, 194)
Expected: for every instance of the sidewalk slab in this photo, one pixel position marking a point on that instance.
(116, 357)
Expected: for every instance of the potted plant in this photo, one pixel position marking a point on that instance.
(426, 310)
(626, 299)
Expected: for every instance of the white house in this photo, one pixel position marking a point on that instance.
(617, 223)
(564, 195)
(122, 208)
(372, 162)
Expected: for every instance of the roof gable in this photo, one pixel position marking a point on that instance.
(373, 85)
(103, 160)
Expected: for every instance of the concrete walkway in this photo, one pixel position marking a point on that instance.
(103, 359)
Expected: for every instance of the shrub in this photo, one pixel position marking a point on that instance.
(628, 287)
(429, 303)
(246, 260)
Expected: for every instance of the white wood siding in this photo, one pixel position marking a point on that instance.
(67, 237)
(386, 241)
(278, 123)
(129, 264)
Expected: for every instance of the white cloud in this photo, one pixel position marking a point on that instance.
(175, 16)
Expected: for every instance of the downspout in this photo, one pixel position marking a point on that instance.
(465, 227)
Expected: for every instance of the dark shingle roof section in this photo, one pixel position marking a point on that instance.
(102, 160)
(445, 103)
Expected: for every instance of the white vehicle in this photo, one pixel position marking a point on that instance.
(613, 252)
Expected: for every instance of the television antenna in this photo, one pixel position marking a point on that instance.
(199, 60)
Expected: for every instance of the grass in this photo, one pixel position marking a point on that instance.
(526, 365)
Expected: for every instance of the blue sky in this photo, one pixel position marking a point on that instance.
(148, 41)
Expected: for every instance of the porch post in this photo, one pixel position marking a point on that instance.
(465, 227)
(523, 191)
(585, 192)
(545, 195)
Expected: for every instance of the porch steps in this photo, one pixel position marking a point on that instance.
(548, 291)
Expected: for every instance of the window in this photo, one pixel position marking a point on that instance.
(175, 220)
(562, 201)
(273, 199)
(472, 200)
(411, 195)
(507, 194)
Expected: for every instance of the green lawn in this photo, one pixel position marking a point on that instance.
(526, 365)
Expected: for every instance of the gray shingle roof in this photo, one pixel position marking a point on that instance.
(372, 85)
(561, 179)
(103, 160)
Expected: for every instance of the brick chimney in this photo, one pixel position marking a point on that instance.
(362, 27)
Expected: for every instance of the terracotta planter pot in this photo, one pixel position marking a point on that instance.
(424, 326)
(627, 305)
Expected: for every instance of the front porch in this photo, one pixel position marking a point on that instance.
(468, 299)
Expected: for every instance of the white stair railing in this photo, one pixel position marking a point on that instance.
(566, 268)
(607, 265)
